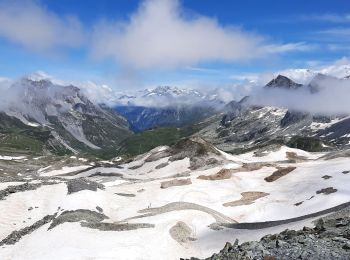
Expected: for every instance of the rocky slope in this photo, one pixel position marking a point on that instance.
(329, 239)
(62, 118)
(246, 126)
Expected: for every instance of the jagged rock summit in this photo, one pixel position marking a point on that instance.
(283, 82)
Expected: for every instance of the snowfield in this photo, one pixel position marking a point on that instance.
(158, 207)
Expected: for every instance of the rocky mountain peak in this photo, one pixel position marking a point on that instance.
(283, 82)
(73, 120)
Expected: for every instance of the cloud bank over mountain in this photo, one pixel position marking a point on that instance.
(330, 96)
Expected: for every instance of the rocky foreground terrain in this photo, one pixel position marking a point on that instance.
(329, 239)
(183, 201)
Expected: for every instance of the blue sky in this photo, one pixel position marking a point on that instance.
(130, 43)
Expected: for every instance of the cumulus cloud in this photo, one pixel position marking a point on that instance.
(98, 93)
(31, 25)
(159, 34)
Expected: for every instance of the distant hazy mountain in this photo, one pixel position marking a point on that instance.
(167, 106)
(71, 121)
(165, 96)
(315, 85)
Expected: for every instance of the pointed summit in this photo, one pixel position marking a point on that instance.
(283, 82)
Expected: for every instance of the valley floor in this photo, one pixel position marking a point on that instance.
(161, 205)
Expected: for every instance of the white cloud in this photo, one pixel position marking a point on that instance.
(98, 93)
(159, 35)
(330, 18)
(200, 69)
(336, 33)
(28, 24)
(330, 100)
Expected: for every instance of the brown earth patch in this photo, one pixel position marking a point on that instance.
(249, 167)
(220, 175)
(280, 172)
(248, 198)
(294, 156)
(175, 182)
(326, 191)
(227, 173)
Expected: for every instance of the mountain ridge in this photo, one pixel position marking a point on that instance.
(74, 122)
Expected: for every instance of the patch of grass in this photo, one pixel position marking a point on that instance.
(19, 142)
(17, 137)
(147, 140)
(20, 138)
(261, 144)
(309, 144)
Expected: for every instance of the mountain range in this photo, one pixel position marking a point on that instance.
(39, 114)
(167, 106)
(248, 125)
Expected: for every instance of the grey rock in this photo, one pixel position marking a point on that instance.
(116, 226)
(78, 216)
(325, 241)
(22, 187)
(16, 235)
(76, 185)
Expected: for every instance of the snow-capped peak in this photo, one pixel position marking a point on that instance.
(163, 96)
(171, 91)
(38, 76)
(339, 71)
(43, 76)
